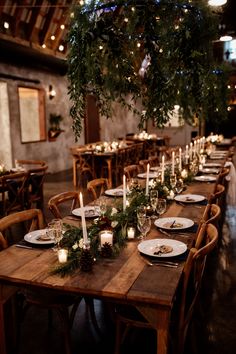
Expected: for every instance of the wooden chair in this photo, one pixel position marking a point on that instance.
(97, 187)
(12, 189)
(154, 161)
(34, 193)
(60, 204)
(186, 297)
(211, 215)
(143, 165)
(83, 164)
(32, 219)
(131, 171)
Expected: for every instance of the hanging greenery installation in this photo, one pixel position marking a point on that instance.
(153, 54)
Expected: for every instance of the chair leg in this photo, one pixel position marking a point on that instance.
(90, 303)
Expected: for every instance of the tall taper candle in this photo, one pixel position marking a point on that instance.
(84, 229)
(180, 159)
(162, 168)
(124, 192)
(147, 178)
(173, 163)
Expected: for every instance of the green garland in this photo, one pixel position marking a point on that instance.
(109, 42)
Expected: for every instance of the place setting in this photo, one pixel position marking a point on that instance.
(189, 198)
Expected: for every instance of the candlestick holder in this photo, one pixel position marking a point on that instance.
(86, 258)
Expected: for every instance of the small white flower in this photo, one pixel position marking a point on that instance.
(81, 243)
(165, 189)
(75, 246)
(114, 224)
(114, 211)
(171, 195)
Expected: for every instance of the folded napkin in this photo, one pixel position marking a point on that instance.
(231, 178)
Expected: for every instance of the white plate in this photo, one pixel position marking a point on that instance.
(189, 198)
(151, 175)
(33, 237)
(205, 178)
(210, 170)
(177, 222)
(148, 247)
(114, 192)
(217, 157)
(212, 164)
(89, 211)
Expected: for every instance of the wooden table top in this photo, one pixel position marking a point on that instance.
(126, 277)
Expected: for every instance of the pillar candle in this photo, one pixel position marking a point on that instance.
(191, 151)
(124, 192)
(62, 255)
(180, 159)
(147, 178)
(173, 162)
(106, 236)
(84, 229)
(162, 168)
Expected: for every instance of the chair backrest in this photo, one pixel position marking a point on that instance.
(221, 179)
(3, 242)
(14, 226)
(13, 188)
(131, 171)
(28, 164)
(192, 278)
(35, 186)
(154, 161)
(211, 214)
(143, 164)
(63, 203)
(97, 187)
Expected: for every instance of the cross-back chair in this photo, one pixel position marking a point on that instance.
(143, 165)
(131, 171)
(34, 194)
(31, 220)
(97, 187)
(154, 161)
(219, 197)
(13, 187)
(186, 296)
(83, 165)
(63, 203)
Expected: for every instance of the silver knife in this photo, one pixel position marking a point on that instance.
(24, 246)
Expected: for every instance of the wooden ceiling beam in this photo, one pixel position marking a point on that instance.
(45, 32)
(17, 20)
(33, 19)
(59, 33)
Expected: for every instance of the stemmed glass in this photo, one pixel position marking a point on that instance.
(173, 181)
(54, 231)
(144, 225)
(102, 202)
(161, 206)
(153, 201)
(179, 186)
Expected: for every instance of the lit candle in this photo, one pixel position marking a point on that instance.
(106, 236)
(173, 162)
(180, 159)
(194, 148)
(84, 229)
(62, 255)
(124, 192)
(147, 178)
(130, 232)
(191, 151)
(162, 168)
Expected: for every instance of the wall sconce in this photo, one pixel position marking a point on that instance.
(51, 92)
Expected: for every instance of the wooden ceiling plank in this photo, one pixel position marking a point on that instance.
(17, 20)
(45, 32)
(33, 19)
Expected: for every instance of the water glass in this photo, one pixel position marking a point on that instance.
(153, 200)
(141, 211)
(161, 206)
(54, 231)
(173, 181)
(144, 226)
(179, 186)
(102, 202)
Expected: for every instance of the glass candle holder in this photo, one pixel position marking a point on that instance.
(130, 232)
(106, 236)
(62, 255)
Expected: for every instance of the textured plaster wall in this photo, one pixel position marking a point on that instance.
(56, 153)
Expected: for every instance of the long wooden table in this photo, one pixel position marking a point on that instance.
(125, 279)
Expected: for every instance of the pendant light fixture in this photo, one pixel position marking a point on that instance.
(217, 2)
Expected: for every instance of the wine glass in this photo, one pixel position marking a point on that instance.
(161, 206)
(144, 226)
(179, 186)
(141, 211)
(102, 202)
(173, 181)
(153, 200)
(54, 232)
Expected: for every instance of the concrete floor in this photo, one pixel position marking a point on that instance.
(214, 331)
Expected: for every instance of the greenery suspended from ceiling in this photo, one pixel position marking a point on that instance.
(153, 54)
